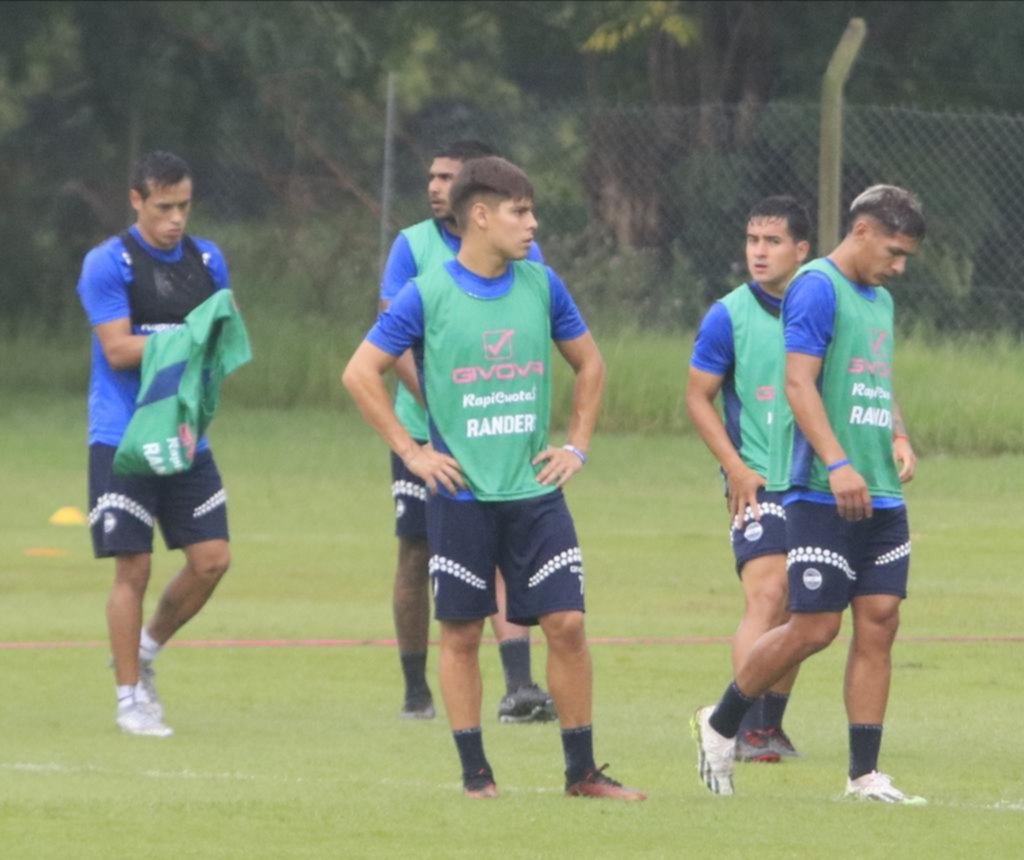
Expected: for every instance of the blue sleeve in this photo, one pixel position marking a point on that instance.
(399, 269)
(808, 314)
(401, 325)
(101, 286)
(714, 350)
(566, 321)
(534, 255)
(216, 265)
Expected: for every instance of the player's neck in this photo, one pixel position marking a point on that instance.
(482, 260)
(450, 226)
(152, 240)
(776, 289)
(844, 258)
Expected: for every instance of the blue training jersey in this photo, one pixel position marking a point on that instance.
(714, 351)
(401, 266)
(103, 290)
(808, 318)
(401, 326)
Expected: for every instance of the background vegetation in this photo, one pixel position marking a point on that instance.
(649, 128)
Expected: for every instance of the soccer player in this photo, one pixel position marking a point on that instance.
(739, 351)
(416, 250)
(480, 327)
(143, 280)
(840, 468)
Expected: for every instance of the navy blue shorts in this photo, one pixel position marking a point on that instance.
(832, 560)
(765, 537)
(410, 495)
(191, 507)
(534, 543)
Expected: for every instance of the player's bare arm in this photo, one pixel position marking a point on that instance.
(364, 379)
(743, 482)
(583, 356)
(405, 367)
(122, 349)
(853, 501)
(902, 451)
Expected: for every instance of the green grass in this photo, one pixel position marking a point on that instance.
(959, 396)
(298, 753)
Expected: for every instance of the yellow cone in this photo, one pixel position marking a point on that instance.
(68, 516)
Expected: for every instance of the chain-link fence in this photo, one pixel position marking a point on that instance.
(643, 210)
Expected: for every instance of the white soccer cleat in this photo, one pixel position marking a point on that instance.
(138, 718)
(878, 786)
(715, 753)
(145, 690)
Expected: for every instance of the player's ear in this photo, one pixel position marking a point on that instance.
(802, 250)
(135, 199)
(479, 213)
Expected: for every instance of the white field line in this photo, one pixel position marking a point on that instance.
(57, 769)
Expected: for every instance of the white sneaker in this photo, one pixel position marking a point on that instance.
(138, 718)
(715, 753)
(145, 690)
(878, 786)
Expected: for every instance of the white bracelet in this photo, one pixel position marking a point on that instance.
(577, 452)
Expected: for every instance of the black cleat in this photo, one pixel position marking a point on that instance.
(419, 708)
(528, 704)
(481, 785)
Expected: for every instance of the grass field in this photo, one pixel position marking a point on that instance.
(975, 409)
(285, 752)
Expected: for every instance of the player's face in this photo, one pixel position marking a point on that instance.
(881, 256)
(773, 256)
(161, 217)
(512, 227)
(443, 172)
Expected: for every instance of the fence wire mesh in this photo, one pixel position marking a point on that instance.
(642, 210)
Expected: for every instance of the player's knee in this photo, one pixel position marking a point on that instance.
(132, 571)
(817, 631)
(824, 634)
(461, 638)
(564, 630)
(878, 634)
(212, 566)
(413, 561)
(769, 604)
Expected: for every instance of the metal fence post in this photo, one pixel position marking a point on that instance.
(830, 163)
(387, 190)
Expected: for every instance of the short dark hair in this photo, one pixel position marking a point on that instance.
(488, 177)
(465, 150)
(895, 208)
(158, 169)
(788, 209)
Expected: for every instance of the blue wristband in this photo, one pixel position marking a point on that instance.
(577, 452)
(838, 464)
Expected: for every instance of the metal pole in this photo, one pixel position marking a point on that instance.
(830, 163)
(389, 162)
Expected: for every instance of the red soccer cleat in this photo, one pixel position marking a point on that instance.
(596, 784)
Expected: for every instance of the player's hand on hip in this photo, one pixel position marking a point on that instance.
(905, 458)
(560, 464)
(853, 500)
(435, 468)
(743, 484)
